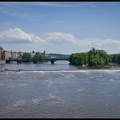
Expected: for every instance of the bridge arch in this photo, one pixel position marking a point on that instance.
(54, 60)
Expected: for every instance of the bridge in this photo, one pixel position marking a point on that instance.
(52, 60)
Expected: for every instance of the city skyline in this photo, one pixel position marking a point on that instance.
(60, 27)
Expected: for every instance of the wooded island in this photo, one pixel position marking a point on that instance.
(93, 58)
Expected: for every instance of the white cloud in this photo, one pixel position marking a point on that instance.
(57, 4)
(18, 36)
(98, 42)
(106, 42)
(109, 45)
(66, 4)
(58, 37)
(58, 41)
(49, 4)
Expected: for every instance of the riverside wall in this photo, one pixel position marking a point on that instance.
(2, 62)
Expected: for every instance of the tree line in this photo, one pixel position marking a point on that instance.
(36, 57)
(115, 58)
(92, 58)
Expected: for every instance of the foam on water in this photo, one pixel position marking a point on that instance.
(16, 105)
(1, 84)
(19, 103)
(53, 96)
(22, 85)
(36, 100)
(67, 75)
(61, 71)
(81, 89)
(69, 71)
(111, 80)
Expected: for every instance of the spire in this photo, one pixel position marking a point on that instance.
(44, 52)
(11, 54)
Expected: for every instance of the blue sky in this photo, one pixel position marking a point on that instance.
(60, 27)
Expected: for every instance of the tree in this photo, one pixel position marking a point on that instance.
(26, 56)
(92, 58)
(78, 59)
(98, 57)
(37, 57)
(115, 58)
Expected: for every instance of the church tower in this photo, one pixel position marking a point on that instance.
(44, 52)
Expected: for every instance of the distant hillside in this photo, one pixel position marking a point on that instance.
(59, 55)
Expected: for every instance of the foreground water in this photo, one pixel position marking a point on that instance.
(59, 91)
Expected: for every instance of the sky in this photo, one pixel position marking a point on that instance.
(60, 27)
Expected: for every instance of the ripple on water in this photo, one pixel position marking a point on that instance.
(111, 80)
(19, 103)
(16, 105)
(81, 89)
(1, 84)
(55, 98)
(22, 84)
(36, 100)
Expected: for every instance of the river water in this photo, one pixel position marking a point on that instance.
(59, 90)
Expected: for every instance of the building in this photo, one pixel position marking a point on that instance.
(13, 55)
(2, 56)
(7, 55)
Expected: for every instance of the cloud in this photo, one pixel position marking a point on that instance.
(18, 36)
(48, 4)
(58, 37)
(99, 42)
(67, 4)
(56, 4)
(109, 45)
(85, 44)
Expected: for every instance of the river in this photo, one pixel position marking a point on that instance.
(59, 90)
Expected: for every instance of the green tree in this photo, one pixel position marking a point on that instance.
(115, 58)
(98, 57)
(26, 56)
(78, 59)
(37, 56)
(92, 58)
